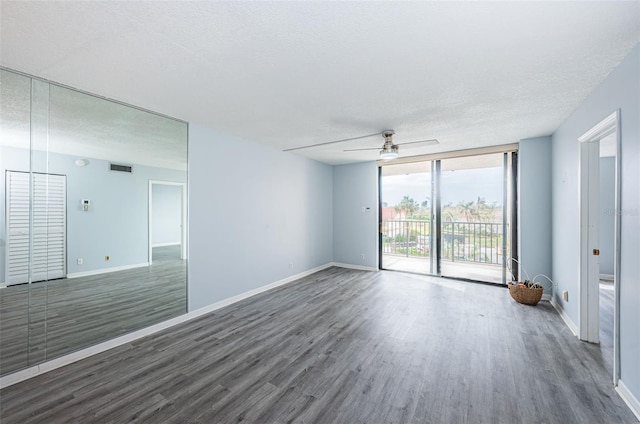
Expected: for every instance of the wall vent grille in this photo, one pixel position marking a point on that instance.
(120, 168)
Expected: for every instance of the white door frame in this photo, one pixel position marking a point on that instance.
(183, 212)
(589, 232)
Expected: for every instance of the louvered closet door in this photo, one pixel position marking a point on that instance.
(17, 203)
(48, 254)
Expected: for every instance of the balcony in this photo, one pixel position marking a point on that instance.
(470, 250)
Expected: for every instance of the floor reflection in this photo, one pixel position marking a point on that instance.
(69, 314)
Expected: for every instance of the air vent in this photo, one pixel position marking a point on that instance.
(120, 168)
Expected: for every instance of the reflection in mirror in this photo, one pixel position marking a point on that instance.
(15, 124)
(94, 235)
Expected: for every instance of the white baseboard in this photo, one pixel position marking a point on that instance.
(261, 289)
(100, 271)
(165, 244)
(607, 277)
(106, 270)
(572, 326)
(632, 402)
(351, 266)
(44, 367)
(546, 297)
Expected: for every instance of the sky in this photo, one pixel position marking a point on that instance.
(457, 186)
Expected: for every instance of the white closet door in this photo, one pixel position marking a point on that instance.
(48, 253)
(17, 204)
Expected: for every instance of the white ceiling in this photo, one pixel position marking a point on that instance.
(57, 119)
(296, 73)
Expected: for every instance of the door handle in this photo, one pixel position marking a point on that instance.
(596, 252)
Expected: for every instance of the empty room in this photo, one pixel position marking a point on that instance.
(319, 212)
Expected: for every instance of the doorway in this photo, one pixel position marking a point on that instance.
(167, 221)
(600, 236)
(451, 217)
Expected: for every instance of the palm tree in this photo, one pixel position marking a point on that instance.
(467, 209)
(408, 205)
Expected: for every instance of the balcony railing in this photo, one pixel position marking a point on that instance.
(406, 237)
(479, 242)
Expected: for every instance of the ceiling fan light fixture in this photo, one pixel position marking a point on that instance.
(389, 152)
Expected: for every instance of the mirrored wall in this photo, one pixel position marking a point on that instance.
(93, 225)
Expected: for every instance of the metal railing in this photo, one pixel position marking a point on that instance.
(479, 242)
(406, 237)
(472, 242)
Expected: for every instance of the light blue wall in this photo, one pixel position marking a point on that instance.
(252, 210)
(355, 232)
(620, 90)
(534, 212)
(117, 221)
(607, 214)
(167, 214)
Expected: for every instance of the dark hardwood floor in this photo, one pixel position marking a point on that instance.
(48, 319)
(340, 346)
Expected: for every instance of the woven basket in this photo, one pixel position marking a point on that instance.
(525, 295)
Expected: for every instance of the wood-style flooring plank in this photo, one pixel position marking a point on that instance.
(340, 346)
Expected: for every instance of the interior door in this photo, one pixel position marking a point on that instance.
(35, 252)
(590, 240)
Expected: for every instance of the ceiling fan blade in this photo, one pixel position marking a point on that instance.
(365, 148)
(362, 148)
(427, 142)
(331, 142)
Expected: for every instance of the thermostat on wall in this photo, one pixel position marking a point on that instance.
(85, 204)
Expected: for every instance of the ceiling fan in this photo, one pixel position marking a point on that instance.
(389, 148)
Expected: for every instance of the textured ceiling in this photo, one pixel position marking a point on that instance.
(297, 73)
(56, 119)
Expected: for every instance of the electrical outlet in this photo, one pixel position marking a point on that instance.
(363, 256)
(290, 265)
(565, 296)
(80, 261)
(107, 258)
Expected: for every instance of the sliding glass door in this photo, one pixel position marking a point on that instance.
(406, 212)
(473, 218)
(453, 217)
